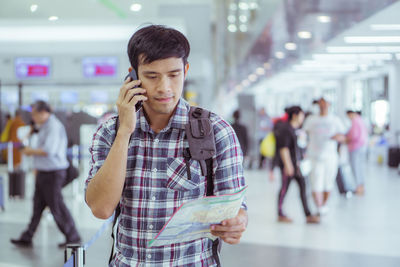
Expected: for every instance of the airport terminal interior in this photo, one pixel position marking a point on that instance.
(255, 58)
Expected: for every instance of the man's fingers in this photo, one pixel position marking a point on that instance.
(131, 93)
(227, 234)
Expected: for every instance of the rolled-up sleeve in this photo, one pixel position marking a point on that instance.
(101, 145)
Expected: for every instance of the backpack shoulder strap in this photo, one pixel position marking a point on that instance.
(200, 136)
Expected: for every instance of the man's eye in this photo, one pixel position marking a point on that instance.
(151, 77)
(174, 74)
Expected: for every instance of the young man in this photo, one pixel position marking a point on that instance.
(141, 166)
(325, 131)
(288, 154)
(50, 161)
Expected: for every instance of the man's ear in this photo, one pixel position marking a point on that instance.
(186, 68)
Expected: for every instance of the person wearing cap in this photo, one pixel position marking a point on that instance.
(325, 131)
(50, 161)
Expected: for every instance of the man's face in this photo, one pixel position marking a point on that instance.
(39, 117)
(163, 80)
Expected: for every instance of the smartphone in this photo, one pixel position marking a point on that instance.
(133, 75)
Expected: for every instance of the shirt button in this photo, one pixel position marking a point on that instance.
(154, 170)
(153, 198)
(156, 140)
(151, 226)
(149, 256)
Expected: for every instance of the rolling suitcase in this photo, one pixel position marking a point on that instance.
(17, 184)
(2, 197)
(394, 157)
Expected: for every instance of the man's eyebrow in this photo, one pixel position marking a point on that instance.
(154, 72)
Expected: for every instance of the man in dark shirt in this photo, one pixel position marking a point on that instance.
(287, 153)
(241, 132)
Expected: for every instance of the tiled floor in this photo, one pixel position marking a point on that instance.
(360, 231)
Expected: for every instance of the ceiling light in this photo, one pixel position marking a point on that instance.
(350, 57)
(385, 27)
(363, 49)
(238, 88)
(304, 35)
(260, 71)
(267, 65)
(324, 19)
(280, 55)
(34, 8)
(231, 18)
(243, 6)
(245, 83)
(243, 27)
(252, 77)
(243, 18)
(232, 28)
(136, 7)
(53, 18)
(371, 39)
(253, 5)
(290, 46)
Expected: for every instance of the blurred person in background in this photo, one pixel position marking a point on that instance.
(5, 135)
(16, 123)
(241, 133)
(265, 125)
(356, 139)
(50, 162)
(288, 155)
(324, 130)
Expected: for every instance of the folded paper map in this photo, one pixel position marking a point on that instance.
(193, 219)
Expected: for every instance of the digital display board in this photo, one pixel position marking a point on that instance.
(69, 97)
(99, 97)
(99, 66)
(32, 67)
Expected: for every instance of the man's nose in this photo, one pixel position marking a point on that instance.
(165, 84)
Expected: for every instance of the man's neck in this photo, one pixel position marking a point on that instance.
(157, 121)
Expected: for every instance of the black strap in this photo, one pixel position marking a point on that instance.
(116, 215)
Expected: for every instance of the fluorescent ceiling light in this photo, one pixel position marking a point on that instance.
(363, 49)
(280, 55)
(66, 33)
(291, 46)
(324, 19)
(232, 28)
(245, 83)
(243, 18)
(371, 39)
(385, 27)
(252, 77)
(243, 5)
(304, 34)
(238, 88)
(231, 18)
(53, 18)
(243, 27)
(253, 5)
(260, 71)
(136, 7)
(34, 8)
(350, 57)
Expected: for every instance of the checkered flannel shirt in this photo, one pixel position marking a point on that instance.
(156, 185)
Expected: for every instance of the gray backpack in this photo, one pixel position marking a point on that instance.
(200, 136)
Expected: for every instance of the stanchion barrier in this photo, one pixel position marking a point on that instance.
(78, 252)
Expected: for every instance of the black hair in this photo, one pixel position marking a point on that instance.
(156, 42)
(41, 105)
(236, 115)
(293, 110)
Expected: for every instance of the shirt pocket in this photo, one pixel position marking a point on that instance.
(178, 175)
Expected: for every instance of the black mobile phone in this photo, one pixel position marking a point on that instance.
(133, 75)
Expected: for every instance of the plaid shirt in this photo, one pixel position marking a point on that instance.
(156, 185)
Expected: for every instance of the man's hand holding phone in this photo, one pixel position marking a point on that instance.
(129, 95)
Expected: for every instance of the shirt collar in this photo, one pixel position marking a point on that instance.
(178, 120)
